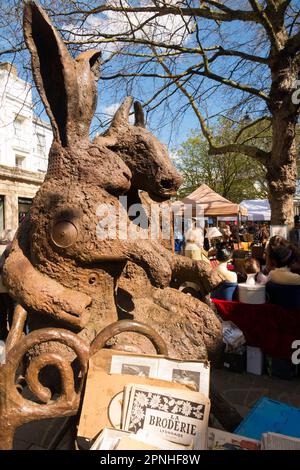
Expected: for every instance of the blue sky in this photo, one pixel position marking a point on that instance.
(174, 130)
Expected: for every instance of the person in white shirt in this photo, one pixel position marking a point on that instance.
(254, 274)
(196, 234)
(194, 245)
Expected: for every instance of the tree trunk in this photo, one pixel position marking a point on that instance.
(281, 168)
(282, 171)
(282, 209)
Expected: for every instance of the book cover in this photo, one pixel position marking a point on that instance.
(180, 417)
(222, 440)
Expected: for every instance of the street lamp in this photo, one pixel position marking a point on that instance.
(246, 119)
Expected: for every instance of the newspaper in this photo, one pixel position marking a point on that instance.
(193, 374)
(162, 444)
(112, 439)
(175, 415)
(222, 440)
(274, 441)
(108, 439)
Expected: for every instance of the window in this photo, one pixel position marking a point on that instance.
(18, 126)
(2, 223)
(24, 205)
(20, 161)
(41, 144)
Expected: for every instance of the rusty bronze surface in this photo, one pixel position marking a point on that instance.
(132, 326)
(16, 410)
(59, 270)
(17, 327)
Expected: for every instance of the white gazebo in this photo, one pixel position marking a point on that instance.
(258, 209)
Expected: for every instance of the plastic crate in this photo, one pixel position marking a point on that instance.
(270, 416)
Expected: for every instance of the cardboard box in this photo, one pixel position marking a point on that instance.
(235, 361)
(255, 360)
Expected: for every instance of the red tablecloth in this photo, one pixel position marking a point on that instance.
(267, 326)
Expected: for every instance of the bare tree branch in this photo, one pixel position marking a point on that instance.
(251, 151)
(227, 14)
(243, 55)
(250, 125)
(266, 23)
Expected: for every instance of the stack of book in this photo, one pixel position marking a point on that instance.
(221, 440)
(157, 403)
(164, 399)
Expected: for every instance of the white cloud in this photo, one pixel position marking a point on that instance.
(111, 109)
(169, 29)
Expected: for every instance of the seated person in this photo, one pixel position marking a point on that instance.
(223, 255)
(194, 245)
(227, 290)
(276, 241)
(178, 245)
(284, 268)
(254, 274)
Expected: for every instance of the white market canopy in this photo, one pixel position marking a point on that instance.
(258, 209)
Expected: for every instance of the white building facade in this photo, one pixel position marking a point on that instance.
(24, 145)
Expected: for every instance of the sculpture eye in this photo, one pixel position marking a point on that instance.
(64, 234)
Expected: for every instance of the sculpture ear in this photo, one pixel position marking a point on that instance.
(139, 115)
(53, 70)
(94, 60)
(122, 114)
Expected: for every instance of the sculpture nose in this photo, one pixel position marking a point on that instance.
(127, 175)
(167, 183)
(171, 184)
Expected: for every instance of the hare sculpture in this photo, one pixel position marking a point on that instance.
(59, 269)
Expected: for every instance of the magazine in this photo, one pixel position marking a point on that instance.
(175, 415)
(274, 441)
(222, 440)
(193, 374)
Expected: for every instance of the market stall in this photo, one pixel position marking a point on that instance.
(204, 202)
